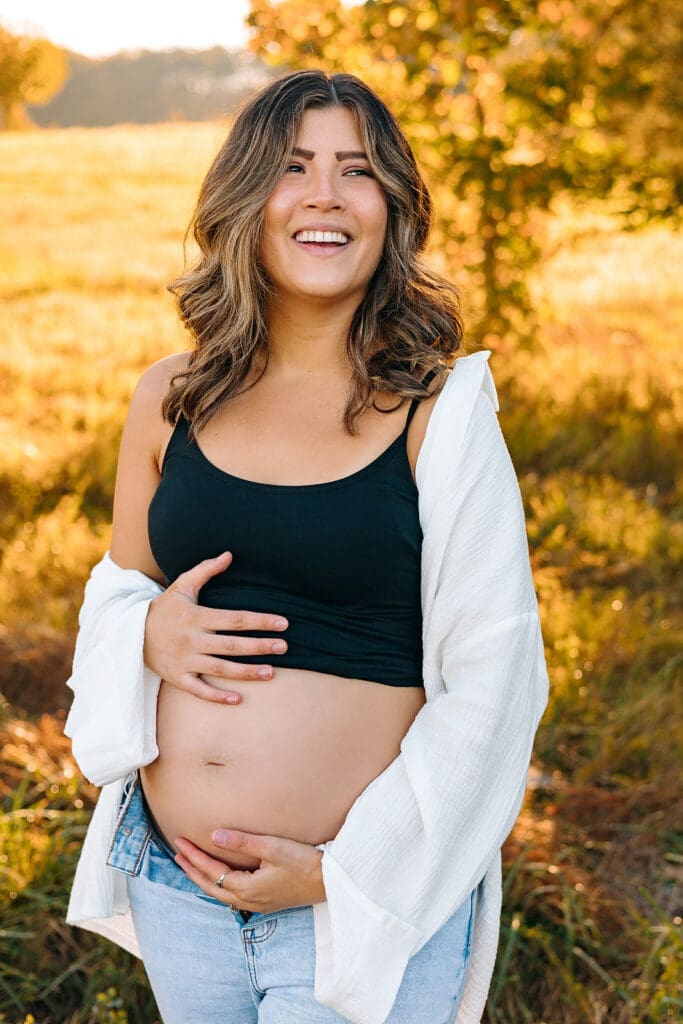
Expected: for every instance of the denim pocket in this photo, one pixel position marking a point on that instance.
(132, 832)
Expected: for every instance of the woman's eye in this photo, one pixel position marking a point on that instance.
(363, 171)
(294, 167)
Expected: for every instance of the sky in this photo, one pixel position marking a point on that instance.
(98, 30)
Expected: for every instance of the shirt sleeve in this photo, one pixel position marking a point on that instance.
(112, 720)
(421, 836)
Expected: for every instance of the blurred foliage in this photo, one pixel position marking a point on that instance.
(508, 104)
(31, 71)
(54, 973)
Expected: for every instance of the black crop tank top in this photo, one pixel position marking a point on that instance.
(340, 560)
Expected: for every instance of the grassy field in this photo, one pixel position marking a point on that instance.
(91, 232)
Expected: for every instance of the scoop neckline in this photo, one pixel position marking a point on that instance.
(323, 485)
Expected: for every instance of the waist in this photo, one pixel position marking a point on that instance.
(362, 642)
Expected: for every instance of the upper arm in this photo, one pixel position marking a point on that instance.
(145, 436)
(418, 428)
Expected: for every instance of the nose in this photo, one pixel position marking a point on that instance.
(322, 192)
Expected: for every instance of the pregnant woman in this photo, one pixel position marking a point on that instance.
(310, 668)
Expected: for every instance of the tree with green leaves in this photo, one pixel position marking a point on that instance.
(509, 104)
(31, 71)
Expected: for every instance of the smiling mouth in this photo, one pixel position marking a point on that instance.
(322, 238)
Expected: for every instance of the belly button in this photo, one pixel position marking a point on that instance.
(214, 764)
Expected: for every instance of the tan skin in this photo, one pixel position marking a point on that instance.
(287, 429)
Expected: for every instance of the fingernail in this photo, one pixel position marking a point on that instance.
(281, 623)
(279, 646)
(232, 699)
(264, 673)
(220, 836)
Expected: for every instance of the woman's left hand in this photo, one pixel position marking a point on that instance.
(289, 873)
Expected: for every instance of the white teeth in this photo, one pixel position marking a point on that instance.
(322, 236)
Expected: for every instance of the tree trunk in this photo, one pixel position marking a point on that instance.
(14, 116)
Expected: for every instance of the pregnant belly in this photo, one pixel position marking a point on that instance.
(289, 761)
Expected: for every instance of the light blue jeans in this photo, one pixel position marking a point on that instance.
(208, 965)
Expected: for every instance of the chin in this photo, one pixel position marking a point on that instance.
(330, 291)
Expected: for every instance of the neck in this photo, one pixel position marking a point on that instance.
(307, 338)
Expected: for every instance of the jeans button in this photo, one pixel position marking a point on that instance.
(126, 831)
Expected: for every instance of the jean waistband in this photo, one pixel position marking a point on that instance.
(132, 832)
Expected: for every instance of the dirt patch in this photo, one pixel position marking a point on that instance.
(34, 669)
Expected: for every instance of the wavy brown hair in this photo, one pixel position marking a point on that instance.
(409, 323)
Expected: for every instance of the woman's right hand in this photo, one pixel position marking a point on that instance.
(182, 643)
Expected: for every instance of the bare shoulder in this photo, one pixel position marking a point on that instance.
(152, 387)
(145, 419)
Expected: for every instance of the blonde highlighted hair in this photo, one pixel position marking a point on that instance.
(409, 323)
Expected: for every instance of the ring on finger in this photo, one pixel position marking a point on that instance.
(219, 881)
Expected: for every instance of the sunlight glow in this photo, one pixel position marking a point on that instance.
(98, 30)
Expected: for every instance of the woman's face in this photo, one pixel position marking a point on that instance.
(325, 222)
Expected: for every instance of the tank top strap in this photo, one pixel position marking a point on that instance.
(416, 401)
(411, 412)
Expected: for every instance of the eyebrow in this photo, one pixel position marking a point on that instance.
(345, 154)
